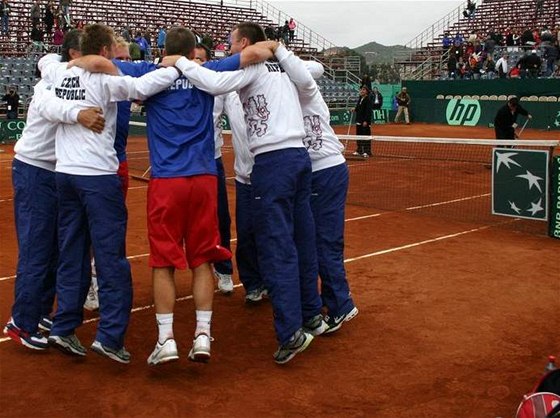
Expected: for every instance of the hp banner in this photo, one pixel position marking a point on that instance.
(520, 183)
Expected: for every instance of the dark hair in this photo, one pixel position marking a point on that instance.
(514, 101)
(252, 31)
(71, 41)
(206, 50)
(95, 37)
(179, 41)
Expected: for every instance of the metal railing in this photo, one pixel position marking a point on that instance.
(428, 35)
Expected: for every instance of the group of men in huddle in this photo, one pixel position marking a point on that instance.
(70, 183)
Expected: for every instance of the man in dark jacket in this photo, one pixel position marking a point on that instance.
(363, 122)
(12, 103)
(504, 122)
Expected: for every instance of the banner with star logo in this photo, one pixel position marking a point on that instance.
(520, 183)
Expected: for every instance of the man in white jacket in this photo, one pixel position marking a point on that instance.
(91, 202)
(281, 180)
(329, 188)
(36, 208)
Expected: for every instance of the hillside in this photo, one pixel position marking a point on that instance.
(375, 53)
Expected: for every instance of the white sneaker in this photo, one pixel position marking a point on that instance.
(225, 283)
(92, 299)
(200, 350)
(164, 353)
(356, 153)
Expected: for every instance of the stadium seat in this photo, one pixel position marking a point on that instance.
(552, 99)
(502, 97)
(466, 96)
(533, 99)
(440, 97)
(492, 97)
(449, 97)
(475, 97)
(484, 97)
(543, 99)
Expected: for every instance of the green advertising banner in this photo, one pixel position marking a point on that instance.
(520, 183)
(468, 112)
(555, 199)
(10, 130)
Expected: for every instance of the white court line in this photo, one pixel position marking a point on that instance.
(348, 260)
(373, 215)
(6, 200)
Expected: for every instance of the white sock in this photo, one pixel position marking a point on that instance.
(165, 327)
(203, 320)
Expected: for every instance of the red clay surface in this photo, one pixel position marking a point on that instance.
(455, 321)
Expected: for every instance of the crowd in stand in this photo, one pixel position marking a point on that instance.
(512, 53)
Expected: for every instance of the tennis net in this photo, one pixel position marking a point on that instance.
(443, 177)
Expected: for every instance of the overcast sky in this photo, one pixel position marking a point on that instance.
(354, 23)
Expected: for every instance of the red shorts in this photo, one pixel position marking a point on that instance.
(122, 172)
(183, 222)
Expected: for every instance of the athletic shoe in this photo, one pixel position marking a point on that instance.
(335, 322)
(92, 299)
(356, 153)
(200, 350)
(69, 344)
(45, 323)
(35, 340)
(164, 353)
(225, 283)
(297, 343)
(256, 296)
(120, 355)
(365, 155)
(316, 325)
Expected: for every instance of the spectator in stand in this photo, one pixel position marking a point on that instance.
(292, 29)
(37, 39)
(527, 38)
(126, 34)
(533, 64)
(58, 37)
(12, 103)
(376, 99)
(539, 7)
(509, 37)
(546, 36)
(502, 66)
(285, 32)
(161, 38)
(35, 13)
(65, 10)
(134, 50)
(5, 16)
(470, 10)
(447, 41)
(271, 33)
(452, 66)
(458, 40)
(489, 44)
(403, 101)
(551, 53)
(49, 17)
(489, 67)
(141, 41)
(148, 39)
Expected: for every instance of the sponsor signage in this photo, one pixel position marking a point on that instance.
(520, 183)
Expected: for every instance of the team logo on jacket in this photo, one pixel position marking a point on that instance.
(313, 133)
(256, 115)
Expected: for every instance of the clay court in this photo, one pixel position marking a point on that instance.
(456, 320)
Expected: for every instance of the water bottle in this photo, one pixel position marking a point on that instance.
(551, 365)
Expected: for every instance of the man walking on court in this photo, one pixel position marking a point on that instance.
(505, 120)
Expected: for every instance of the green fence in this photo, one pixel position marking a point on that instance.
(467, 112)
(518, 87)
